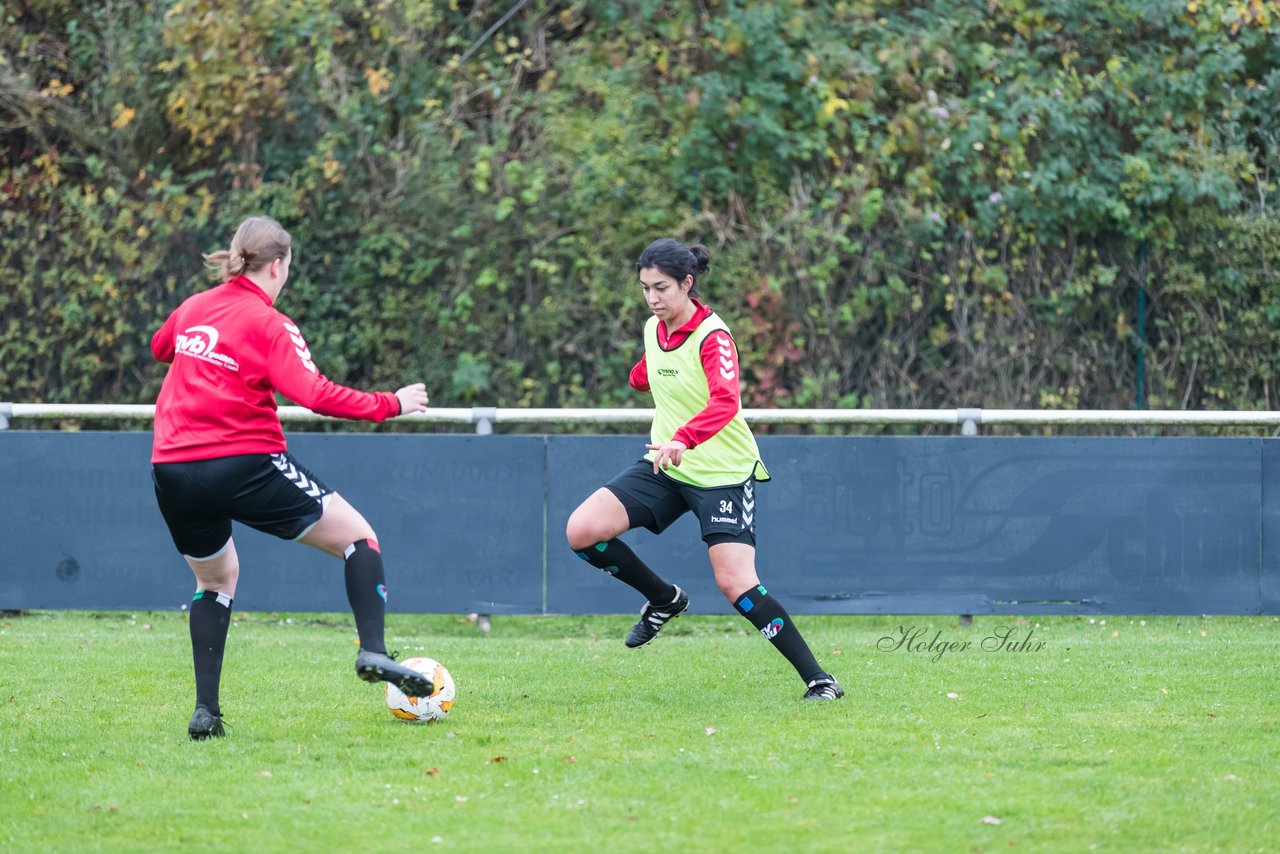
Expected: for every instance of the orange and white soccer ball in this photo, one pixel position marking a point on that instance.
(423, 710)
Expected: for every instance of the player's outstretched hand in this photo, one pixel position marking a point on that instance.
(413, 398)
(669, 454)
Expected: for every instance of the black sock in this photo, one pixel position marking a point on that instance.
(367, 593)
(210, 619)
(616, 558)
(767, 614)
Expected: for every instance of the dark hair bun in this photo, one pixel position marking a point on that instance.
(701, 259)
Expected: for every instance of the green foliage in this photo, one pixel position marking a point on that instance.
(907, 205)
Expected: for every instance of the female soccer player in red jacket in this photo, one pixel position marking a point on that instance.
(219, 454)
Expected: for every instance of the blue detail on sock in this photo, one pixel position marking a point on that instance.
(763, 592)
(382, 591)
(600, 547)
(771, 631)
(746, 604)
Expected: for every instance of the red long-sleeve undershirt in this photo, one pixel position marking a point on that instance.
(722, 379)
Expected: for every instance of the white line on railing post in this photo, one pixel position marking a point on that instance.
(483, 416)
(969, 420)
(6, 409)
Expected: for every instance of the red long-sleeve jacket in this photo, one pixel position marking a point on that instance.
(230, 351)
(722, 381)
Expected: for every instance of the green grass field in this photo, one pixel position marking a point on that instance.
(1155, 734)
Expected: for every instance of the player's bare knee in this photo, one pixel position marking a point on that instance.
(357, 530)
(221, 577)
(732, 582)
(579, 539)
(579, 532)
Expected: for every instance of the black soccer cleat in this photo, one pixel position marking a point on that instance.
(380, 667)
(205, 724)
(824, 688)
(653, 618)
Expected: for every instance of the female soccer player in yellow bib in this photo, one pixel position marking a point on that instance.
(702, 457)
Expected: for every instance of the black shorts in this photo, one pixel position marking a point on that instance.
(270, 492)
(656, 501)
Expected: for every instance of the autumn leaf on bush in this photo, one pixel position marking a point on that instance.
(123, 115)
(379, 80)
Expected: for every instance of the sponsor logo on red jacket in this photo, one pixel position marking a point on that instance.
(201, 342)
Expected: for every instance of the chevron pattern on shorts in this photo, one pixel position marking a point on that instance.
(748, 504)
(286, 467)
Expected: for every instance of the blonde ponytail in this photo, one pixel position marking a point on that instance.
(258, 241)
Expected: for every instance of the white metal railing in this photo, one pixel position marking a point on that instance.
(484, 417)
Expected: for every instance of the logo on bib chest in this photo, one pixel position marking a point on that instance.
(668, 372)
